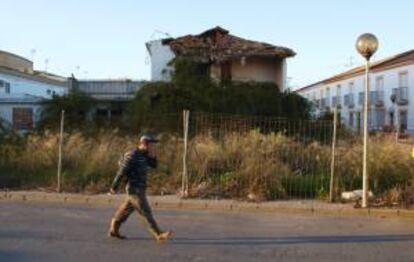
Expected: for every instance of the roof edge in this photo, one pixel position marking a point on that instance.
(356, 71)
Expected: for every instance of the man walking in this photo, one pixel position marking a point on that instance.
(133, 168)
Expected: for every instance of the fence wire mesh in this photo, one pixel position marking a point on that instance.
(228, 156)
(258, 158)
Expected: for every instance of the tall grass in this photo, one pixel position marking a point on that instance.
(236, 165)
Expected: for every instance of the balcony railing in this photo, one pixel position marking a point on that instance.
(336, 101)
(375, 98)
(361, 97)
(400, 95)
(349, 100)
(324, 103)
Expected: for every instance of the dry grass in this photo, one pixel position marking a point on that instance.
(270, 166)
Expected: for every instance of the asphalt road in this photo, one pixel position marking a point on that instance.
(53, 232)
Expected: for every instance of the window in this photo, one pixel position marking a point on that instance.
(351, 87)
(338, 94)
(380, 119)
(7, 88)
(351, 119)
(403, 79)
(391, 116)
(226, 71)
(359, 121)
(328, 96)
(403, 119)
(379, 83)
(379, 88)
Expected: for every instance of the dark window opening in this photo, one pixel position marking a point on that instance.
(226, 72)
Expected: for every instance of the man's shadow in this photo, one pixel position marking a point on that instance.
(292, 240)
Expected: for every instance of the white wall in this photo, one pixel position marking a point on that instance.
(21, 90)
(6, 112)
(20, 85)
(391, 80)
(161, 55)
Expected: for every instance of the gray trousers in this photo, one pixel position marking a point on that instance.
(138, 202)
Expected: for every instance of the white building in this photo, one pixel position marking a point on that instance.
(390, 99)
(226, 57)
(22, 91)
(161, 55)
(110, 96)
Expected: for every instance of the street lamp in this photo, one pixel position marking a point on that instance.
(366, 45)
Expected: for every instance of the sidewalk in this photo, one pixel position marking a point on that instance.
(173, 202)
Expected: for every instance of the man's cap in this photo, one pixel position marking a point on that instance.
(148, 138)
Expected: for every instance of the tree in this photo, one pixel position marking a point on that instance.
(76, 105)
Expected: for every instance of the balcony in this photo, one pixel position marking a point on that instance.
(400, 95)
(376, 98)
(324, 103)
(336, 101)
(349, 100)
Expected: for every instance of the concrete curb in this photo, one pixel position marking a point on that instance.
(172, 202)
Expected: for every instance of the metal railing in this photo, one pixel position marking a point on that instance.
(401, 95)
(336, 101)
(349, 100)
(324, 103)
(376, 98)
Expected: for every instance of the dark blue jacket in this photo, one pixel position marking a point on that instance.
(133, 167)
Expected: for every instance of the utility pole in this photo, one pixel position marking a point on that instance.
(59, 171)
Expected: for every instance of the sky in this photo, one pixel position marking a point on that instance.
(106, 38)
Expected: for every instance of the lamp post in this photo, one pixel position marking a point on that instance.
(366, 45)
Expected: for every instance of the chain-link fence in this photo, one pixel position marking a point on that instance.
(258, 158)
(222, 156)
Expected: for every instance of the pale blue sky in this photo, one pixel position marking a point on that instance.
(105, 38)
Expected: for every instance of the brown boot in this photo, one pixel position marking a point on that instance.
(114, 230)
(163, 236)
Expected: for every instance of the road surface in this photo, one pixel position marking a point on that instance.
(55, 232)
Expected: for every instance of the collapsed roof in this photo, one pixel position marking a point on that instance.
(217, 45)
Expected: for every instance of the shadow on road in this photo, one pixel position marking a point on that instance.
(294, 240)
(6, 255)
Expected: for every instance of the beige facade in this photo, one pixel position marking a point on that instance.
(228, 57)
(15, 62)
(254, 69)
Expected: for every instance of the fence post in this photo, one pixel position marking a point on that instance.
(331, 184)
(397, 131)
(59, 171)
(184, 186)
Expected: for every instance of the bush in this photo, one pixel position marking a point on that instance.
(191, 88)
